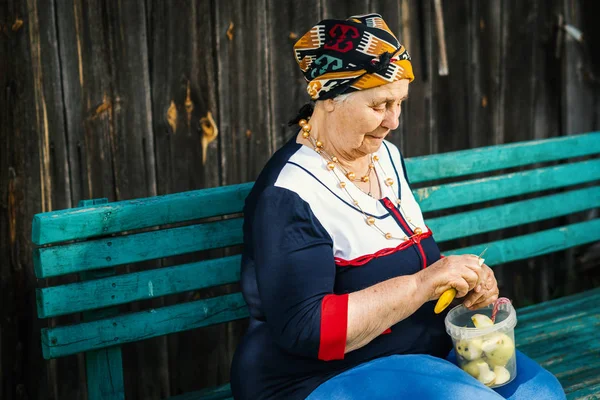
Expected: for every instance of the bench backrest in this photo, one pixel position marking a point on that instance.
(93, 239)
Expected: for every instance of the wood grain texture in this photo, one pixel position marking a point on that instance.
(104, 253)
(121, 289)
(560, 334)
(245, 98)
(503, 186)
(503, 156)
(128, 215)
(183, 68)
(66, 340)
(290, 20)
(35, 177)
(534, 244)
(513, 214)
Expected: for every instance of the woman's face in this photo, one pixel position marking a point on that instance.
(364, 119)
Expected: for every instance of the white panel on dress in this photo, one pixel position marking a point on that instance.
(352, 236)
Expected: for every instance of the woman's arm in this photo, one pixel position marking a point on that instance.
(376, 308)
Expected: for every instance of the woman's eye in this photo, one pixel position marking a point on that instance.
(379, 107)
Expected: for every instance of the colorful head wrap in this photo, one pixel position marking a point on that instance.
(342, 56)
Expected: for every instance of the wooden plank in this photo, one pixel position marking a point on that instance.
(502, 186)
(342, 9)
(109, 252)
(451, 111)
(242, 54)
(243, 88)
(560, 334)
(535, 244)
(290, 20)
(542, 310)
(34, 177)
(513, 214)
(591, 392)
(183, 68)
(417, 112)
(67, 340)
(104, 367)
(391, 12)
(584, 319)
(103, 381)
(491, 158)
(184, 92)
(486, 63)
(126, 288)
(83, 223)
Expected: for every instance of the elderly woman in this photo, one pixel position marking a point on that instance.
(339, 270)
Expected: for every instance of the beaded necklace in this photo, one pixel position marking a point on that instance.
(333, 165)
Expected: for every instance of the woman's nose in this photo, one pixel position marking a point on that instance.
(391, 120)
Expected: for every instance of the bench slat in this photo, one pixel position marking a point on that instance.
(562, 328)
(484, 159)
(517, 213)
(561, 334)
(83, 223)
(535, 244)
(585, 393)
(126, 288)
(563, 306)
(497, 187)
(73, 339)
(109, 252)
(560, 354)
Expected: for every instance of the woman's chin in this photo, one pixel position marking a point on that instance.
(373, 142)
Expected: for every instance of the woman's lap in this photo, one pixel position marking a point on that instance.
(427, 377)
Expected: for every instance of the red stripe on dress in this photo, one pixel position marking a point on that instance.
(334, 327)
(362, 260)
(390, 206)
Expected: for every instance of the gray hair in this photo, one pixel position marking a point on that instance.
(343, 97)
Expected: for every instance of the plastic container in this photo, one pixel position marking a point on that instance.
(480, 351)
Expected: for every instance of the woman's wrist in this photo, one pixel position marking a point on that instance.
(425, 286)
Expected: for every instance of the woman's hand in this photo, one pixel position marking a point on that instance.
(461, 272)
(485, 293)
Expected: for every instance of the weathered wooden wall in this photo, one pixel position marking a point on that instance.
(107, 99)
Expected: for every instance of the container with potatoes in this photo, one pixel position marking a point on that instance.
(485, 349)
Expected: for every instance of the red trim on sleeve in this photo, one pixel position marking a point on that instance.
(334, 327)
(388, 330)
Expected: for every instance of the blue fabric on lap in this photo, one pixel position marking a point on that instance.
(425, 377)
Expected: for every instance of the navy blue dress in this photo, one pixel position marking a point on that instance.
(307, 246)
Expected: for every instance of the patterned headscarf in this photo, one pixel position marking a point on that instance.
(342, 56)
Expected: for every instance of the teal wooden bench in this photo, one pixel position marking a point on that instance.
(91, 240)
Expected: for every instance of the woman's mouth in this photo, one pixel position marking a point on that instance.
(376, 137)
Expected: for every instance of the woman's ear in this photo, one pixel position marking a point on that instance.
(329, 105)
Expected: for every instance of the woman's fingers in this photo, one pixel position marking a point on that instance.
(484, 301)
(472, 262)
(474, 298)
(487, 296)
